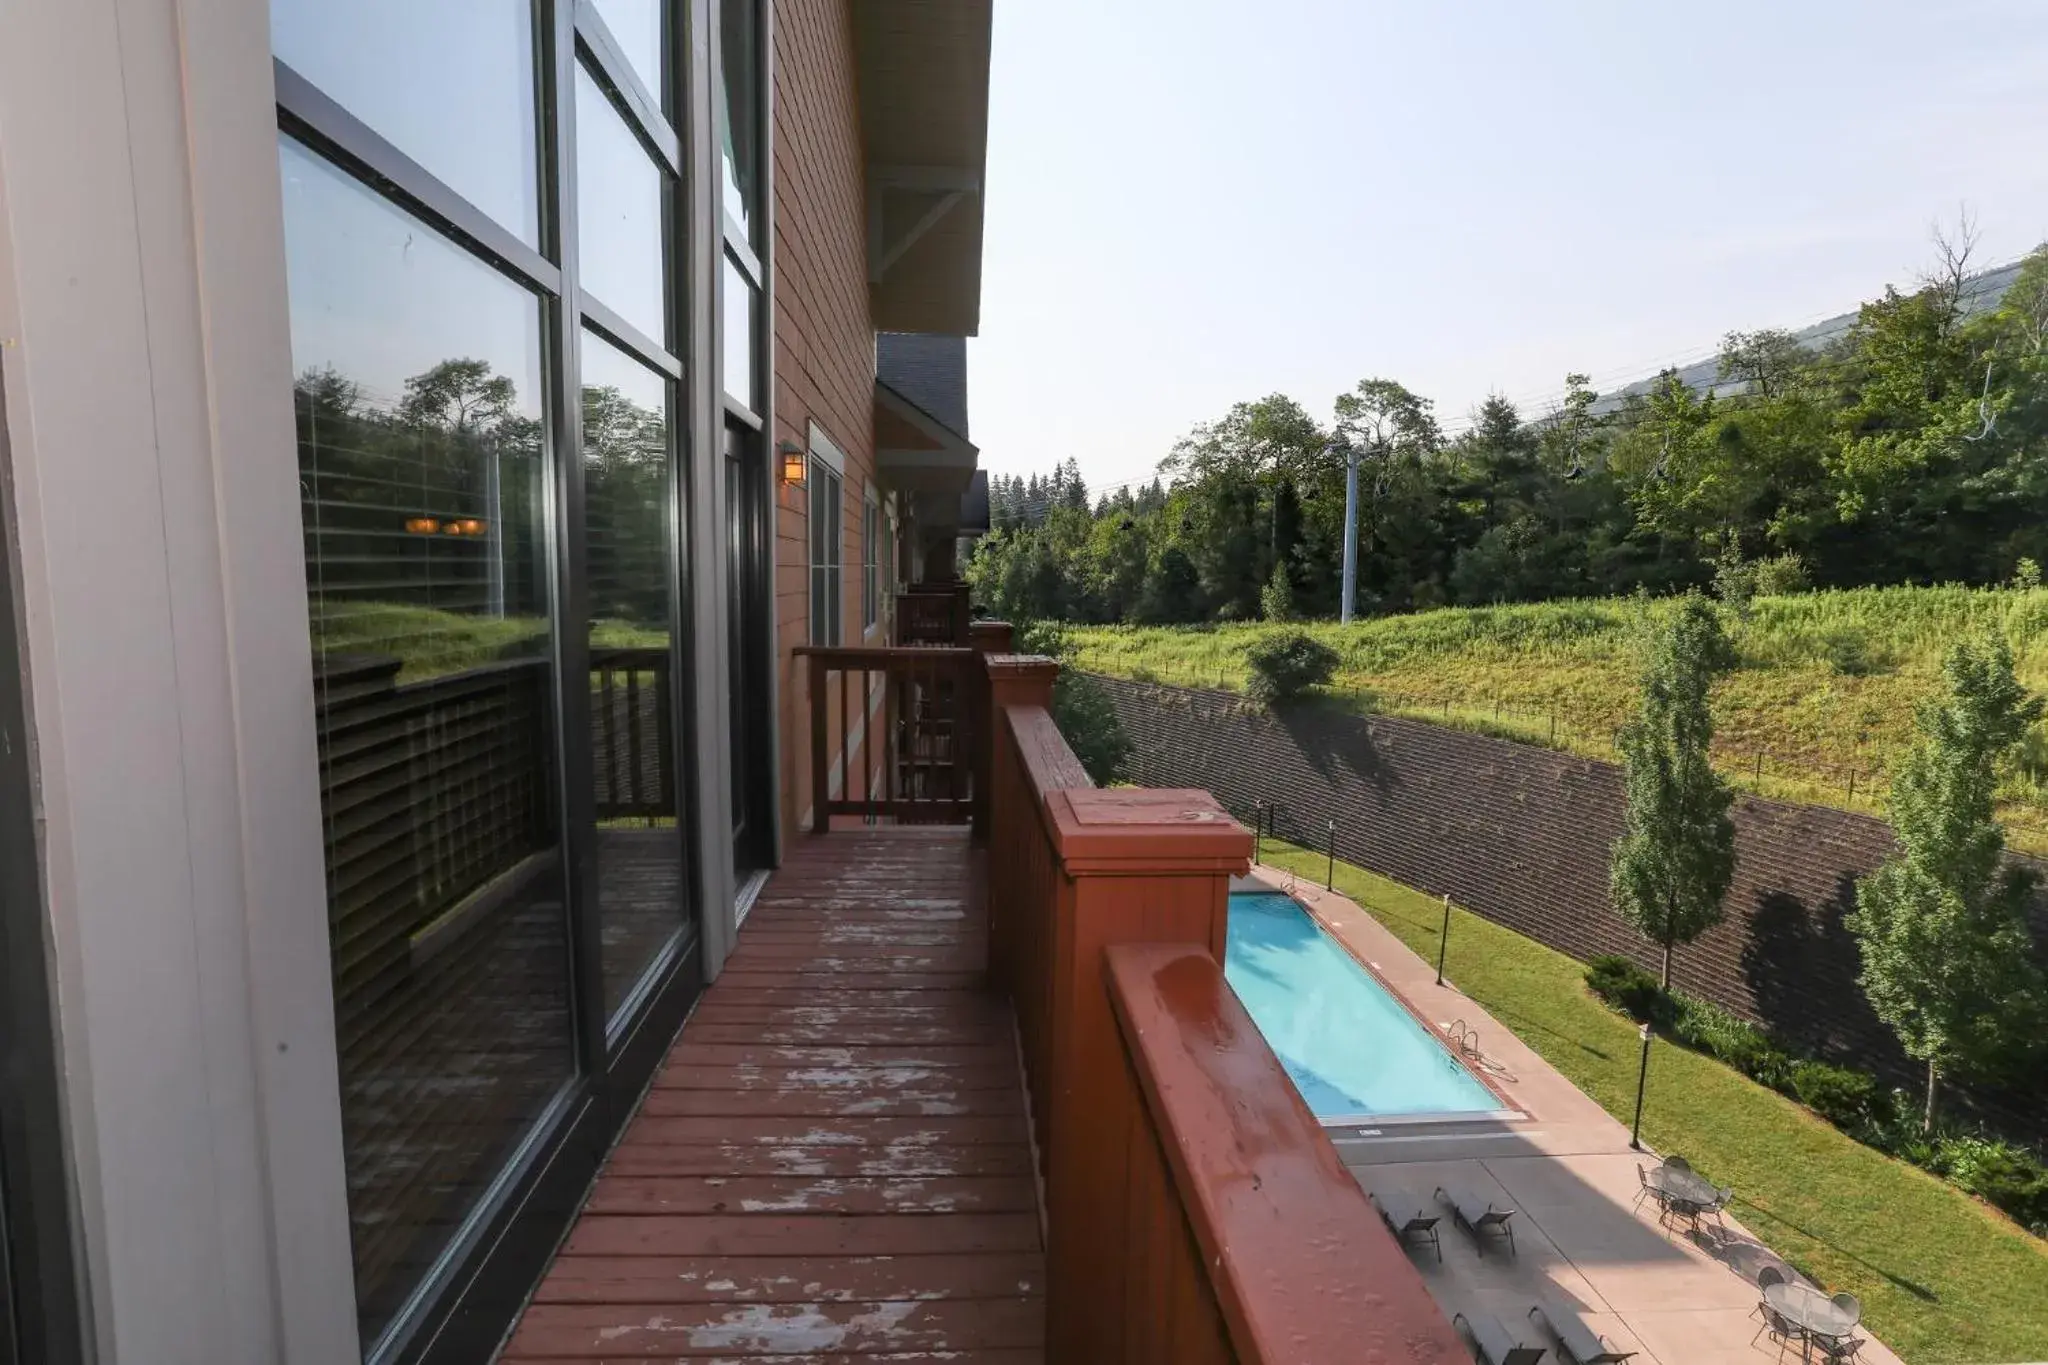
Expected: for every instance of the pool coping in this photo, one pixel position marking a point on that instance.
(1510, 1112)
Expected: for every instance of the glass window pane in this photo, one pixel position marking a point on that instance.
(448, 82)
(627, 502)
(636, 25)
(738, 325)
(422, 447)
(739, 128)
(620, 193)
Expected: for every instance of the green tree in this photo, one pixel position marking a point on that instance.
(1947, 959)
(1276, 602)
(1676, 855)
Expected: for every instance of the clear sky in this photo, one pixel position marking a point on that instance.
(1192, 202)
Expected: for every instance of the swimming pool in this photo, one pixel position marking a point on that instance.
(1350, 1047)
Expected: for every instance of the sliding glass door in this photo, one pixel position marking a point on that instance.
(484, 218)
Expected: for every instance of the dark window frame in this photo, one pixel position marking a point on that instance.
(460, 1309)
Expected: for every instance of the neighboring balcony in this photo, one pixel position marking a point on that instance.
(972, 1085)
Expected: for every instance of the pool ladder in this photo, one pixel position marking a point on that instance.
(1466, 1039)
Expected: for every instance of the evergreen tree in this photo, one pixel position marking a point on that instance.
(1676, 855)
(1276, 602)
(1947, 959)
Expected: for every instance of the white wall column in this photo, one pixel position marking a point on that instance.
(145, 353)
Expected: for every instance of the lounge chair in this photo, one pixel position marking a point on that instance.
(1478, 1217)
(1492, 1341)
(1575, 1340)
(1407, 1222)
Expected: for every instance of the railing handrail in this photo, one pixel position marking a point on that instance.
(1266, 1196)
(880, 656)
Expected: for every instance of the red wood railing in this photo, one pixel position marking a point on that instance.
(1274, 1243)
(898, 730)
(1195, 1211)
(932, 614)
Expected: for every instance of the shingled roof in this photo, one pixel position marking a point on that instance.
(928, 370)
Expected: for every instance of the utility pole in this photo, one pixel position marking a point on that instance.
(1350, 531)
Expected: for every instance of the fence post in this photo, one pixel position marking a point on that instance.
(1553, 729)
(988, 638)
(1852, 786)
(1013, 680)
(1759, 765)
(821, 765)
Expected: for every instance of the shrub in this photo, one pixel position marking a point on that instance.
(1848, 1099)
(1628, 988)
(1283, 666)
(2010, 1177)
(1847, 652)
(1780, 576)
(1086, 718)
(1741, 1044)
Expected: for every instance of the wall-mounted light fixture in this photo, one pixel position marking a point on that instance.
(422, 526)
(794, 462)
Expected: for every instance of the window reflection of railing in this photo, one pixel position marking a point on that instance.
(431, 790)
(442, 893)
(632, 734)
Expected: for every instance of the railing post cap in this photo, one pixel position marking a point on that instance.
(1022, 666)
(1129, 830)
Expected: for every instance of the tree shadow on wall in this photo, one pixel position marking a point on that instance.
(1334, 742)
(1801, 964)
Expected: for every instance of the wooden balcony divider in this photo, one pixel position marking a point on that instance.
(932, 614)
(900, 727)
(1195, 1210)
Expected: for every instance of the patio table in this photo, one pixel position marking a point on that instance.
(1804, 1306)
(1686, 1193)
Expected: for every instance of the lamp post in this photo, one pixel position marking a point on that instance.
(1443, 942)
(1330, 876)
(1635, 1137)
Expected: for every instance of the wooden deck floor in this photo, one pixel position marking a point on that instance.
(833, 1163)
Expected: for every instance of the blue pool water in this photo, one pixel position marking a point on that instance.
(1350, 1047)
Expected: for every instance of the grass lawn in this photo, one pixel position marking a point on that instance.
(1943, 1278)
(1826, 686)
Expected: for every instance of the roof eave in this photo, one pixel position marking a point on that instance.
(924, 75)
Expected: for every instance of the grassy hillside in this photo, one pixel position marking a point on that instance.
(1825, 692)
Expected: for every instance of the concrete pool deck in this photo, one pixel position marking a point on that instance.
(1568, 1171)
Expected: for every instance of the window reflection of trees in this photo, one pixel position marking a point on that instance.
(625, 492)
(421, 518)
